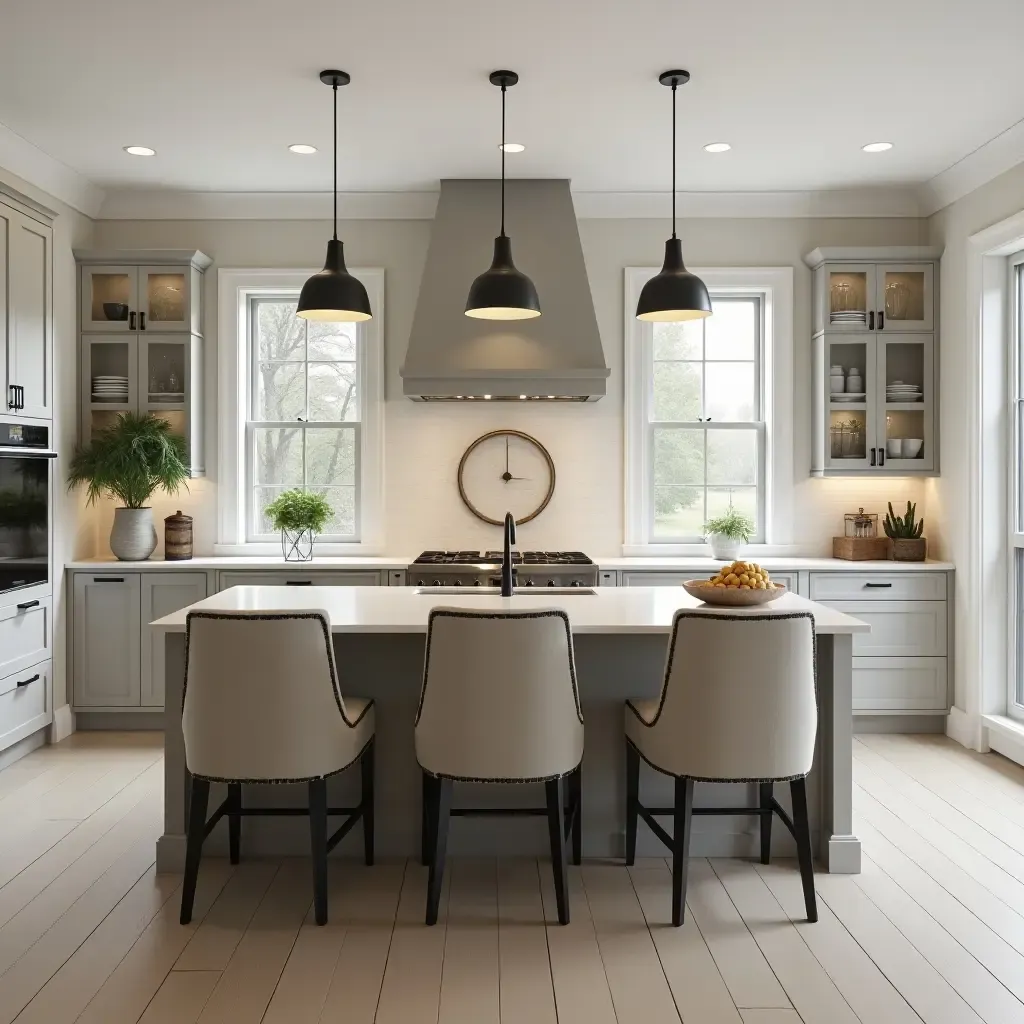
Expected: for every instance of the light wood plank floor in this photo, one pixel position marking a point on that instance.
(932, 931)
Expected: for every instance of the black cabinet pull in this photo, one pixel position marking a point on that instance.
(25, 605)
(131, 320)
(871, 320)
(881, 320)
(873, 457)
(298, 583)
(25, 682)
(881, 456)
(877, 586)
(108, 579)
(142, 321)
(16, 399)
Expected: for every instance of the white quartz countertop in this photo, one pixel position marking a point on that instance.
(326, 563)
(773, 563)
(403, 610)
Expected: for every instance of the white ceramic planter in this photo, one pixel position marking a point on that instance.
(133, 538)
(725, 549)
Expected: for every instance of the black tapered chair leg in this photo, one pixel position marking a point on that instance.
(426, 802)
(234, 821)
(194, 848)
(632, 800)
(318, 846)
(766, 792)
(576, 802)
(366, 769)
(681, 847)
(439, 815)
(555, 792)
(801, 824)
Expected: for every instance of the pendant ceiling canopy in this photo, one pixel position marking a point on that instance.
(674, 294)
(334, 294)
(502, 292)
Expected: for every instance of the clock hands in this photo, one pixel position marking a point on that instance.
(506, 476)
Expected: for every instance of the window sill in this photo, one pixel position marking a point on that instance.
(1006, 736)
(704, 550)
(274, 548)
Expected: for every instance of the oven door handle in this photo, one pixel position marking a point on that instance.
(10, 451)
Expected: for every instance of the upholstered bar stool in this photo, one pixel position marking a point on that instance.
(262, 705)
(500, 704)
(738, 704)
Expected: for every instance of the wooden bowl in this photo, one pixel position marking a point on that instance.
(729, 597)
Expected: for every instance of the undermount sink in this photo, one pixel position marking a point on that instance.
(495, 591)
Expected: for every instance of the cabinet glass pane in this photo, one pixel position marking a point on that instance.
(166, 296)
(847, 434)
(848, 296)
(101, 419)
(176, 419)
(904, 372)
(165, 373)
(109, 369)
(847, 377)
(904, 295)
(904, 434)
(111, 294)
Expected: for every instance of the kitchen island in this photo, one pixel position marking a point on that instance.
(620, 637)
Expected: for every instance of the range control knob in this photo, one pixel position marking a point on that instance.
(575, 583)
(458, 583)
(529, 583)
(551, 583)
(419, 583)
(436, 583)
(477, 583)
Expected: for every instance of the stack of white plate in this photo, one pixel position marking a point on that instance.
(897, 391)
(109, 388)
(849, 316)
(848, 396)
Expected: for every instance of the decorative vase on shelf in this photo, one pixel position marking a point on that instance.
(725, 549)
(297, 545)
(909, 549)
(133, 537)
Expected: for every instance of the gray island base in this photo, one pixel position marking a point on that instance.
(620, 638)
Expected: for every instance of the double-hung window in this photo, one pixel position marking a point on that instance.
(301, 406)
(1015, 702)
(699, 402)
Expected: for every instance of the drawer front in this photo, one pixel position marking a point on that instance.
(26, 634)
(299, 579)
(899, 684)
(878, 586)
(24, 709)
(899, 629)
(643, 578)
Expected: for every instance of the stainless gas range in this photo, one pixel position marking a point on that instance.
(483, 569)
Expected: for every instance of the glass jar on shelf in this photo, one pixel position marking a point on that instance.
(861, 524)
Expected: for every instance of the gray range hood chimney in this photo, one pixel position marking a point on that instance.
(557, 355)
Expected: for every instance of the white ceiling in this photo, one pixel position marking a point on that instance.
(221, 87)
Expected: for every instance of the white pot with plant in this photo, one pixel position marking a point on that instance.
(300, 516)
(129, 461)
(728, 533)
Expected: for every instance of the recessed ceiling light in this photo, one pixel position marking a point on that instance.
(512, 147)
(301, 147)
(717, 147)
(140, 151)
(877, 147)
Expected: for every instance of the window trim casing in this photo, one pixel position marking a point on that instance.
(235, 286)
(1014, 478)
(775, 285)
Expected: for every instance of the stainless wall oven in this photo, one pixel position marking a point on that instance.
(25, 497)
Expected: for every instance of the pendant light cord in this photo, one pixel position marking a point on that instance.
(503, 159)
(674, 87)
(335, 85)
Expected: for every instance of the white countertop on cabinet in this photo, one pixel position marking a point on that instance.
(660, 563)
(612, 610)
(236, 562)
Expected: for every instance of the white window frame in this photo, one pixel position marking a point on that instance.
(235, 288)
(774, 286)
(1015, 450)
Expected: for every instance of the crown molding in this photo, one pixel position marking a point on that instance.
(979, 167)
(50, 176)
(139, 204)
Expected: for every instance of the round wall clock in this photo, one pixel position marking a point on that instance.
(506, 471)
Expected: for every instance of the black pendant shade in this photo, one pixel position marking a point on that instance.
(501, 292)
(334, 294)
(674, 294)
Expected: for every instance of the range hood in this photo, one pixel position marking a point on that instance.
(556, 356)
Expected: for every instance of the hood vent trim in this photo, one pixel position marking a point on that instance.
(555, 357)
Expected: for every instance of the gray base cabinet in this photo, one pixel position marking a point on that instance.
(162, 594)
(107, 622)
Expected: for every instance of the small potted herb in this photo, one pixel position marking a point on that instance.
(300, 516)
(728, 533)
(128, 461)
(908, 544)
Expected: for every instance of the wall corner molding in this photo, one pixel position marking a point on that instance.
(63, 724)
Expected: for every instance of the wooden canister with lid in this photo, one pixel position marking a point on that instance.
(178, 537)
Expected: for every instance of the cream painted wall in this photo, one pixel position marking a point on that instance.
(425, 442)
(948, 494)
(73, 528)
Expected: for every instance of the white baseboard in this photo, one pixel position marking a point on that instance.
(63, 724)
(966, 730)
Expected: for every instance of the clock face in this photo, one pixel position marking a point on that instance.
(506, 471)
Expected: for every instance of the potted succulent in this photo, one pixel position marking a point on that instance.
(300, 516)
(905, 534)
(728, 533)
(128, 461)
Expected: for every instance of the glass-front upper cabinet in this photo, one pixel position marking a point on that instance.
(905, 300)
(164, 299)
(851, 404)
(906, 386)
(109, 375)
(849, 298)
(109, 297)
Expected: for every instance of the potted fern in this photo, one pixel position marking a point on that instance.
(300, 516)
(728, 533)
(908, 544)
(128, 461)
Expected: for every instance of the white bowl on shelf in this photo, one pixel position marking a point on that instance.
(912, 447)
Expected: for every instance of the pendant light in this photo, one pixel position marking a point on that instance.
(502, 292)
(674, 294)
(334, 294)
